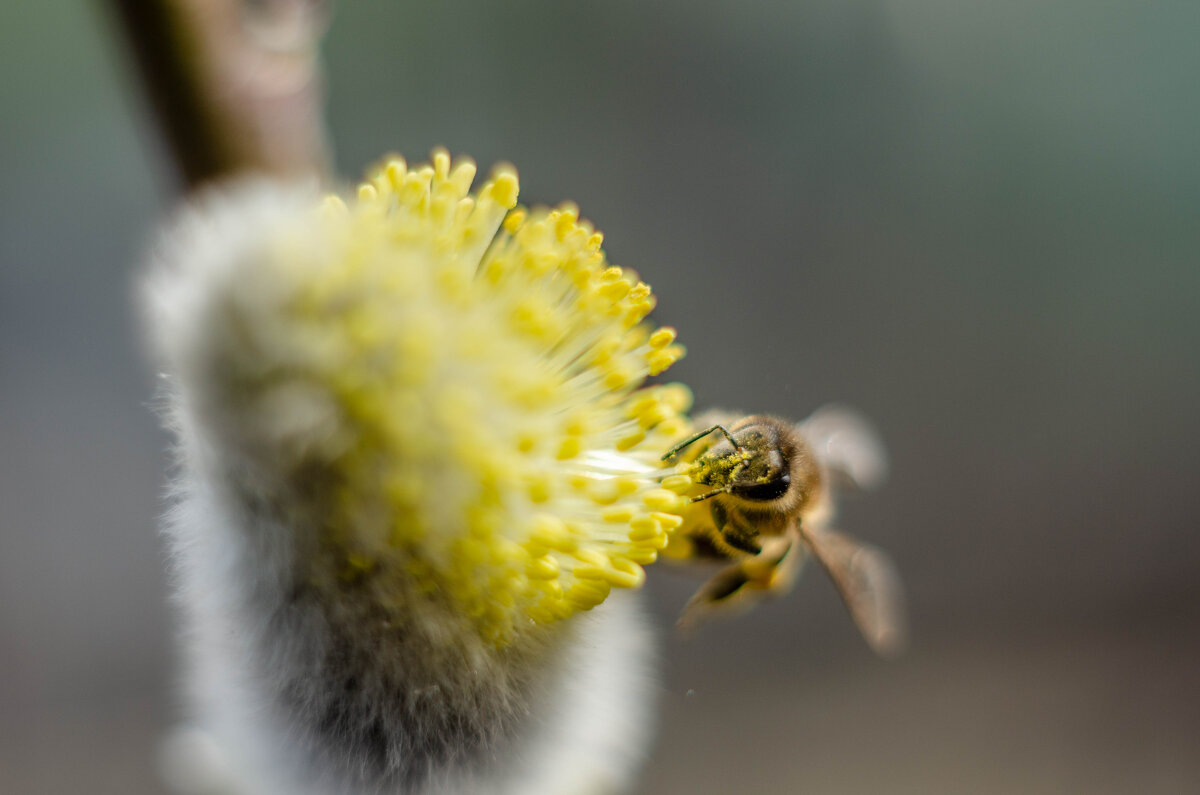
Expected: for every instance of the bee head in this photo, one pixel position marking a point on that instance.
(758, 469)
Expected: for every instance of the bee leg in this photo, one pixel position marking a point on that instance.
(728, 591)
(735, 532)
(711, 494)
(742, 585)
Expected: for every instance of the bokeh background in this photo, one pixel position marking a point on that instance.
(978, 222)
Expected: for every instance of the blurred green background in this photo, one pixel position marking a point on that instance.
(978, 222)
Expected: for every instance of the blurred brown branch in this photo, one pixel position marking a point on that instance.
(235, 84)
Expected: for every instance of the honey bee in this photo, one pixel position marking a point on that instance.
(769, 487)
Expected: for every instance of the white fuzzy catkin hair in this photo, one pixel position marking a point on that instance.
(305, 687)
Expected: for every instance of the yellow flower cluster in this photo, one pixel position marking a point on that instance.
(506, 455)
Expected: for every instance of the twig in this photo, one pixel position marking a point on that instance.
(235, 84)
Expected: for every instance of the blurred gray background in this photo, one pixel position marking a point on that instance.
(978, 222)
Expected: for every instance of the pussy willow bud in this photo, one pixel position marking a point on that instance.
(416, 462)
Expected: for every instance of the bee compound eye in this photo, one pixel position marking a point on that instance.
(764, 492)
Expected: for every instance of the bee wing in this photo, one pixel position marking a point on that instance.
(868, 583)
(847, 445)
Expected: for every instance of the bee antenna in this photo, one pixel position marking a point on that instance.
(677, 449)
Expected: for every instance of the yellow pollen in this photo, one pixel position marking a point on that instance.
(665, 501)
(552, 533)
(678, 483)
(674, 427)
(621, 515)
(569, 448)
(642, 555)
(514, 220)
(631, 441)
(487, 364)
(643, 528)
(662, 338)
(540, 490)
(668, 521)
(628, 485)
(544, 568)
(677, 396)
